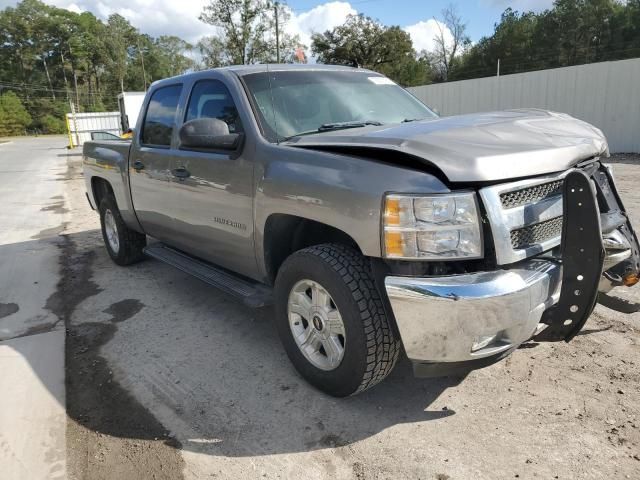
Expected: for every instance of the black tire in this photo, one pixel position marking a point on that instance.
(371, 348)
(131, 243)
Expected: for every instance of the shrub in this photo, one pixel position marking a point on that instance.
(14, 118)
(51, 124)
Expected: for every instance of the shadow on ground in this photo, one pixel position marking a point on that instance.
(225, 378)
(214, 367)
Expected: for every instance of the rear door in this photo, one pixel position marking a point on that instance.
(212, 199)
(150, 162)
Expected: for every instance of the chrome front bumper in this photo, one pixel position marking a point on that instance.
(467, 318)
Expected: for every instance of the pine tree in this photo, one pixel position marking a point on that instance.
(14, 118)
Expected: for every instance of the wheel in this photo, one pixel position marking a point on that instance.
(123, 244)
(331, 320)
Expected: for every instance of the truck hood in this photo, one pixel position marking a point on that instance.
(478, 147)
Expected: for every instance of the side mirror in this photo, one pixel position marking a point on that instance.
(208, 133)
(436, 111)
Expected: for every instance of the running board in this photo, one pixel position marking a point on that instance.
(252, 294)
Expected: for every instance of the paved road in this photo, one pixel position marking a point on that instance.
(32, 413)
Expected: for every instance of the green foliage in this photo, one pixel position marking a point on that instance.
(51, 124)
(249, 37)
(46, 51)
(14, 118)
(364, 42)
(573, 32)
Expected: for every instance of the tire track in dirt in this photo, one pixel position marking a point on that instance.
(110, 435)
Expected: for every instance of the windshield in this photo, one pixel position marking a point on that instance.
(294, 103)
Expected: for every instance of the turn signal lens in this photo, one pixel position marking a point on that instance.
(392, 211)
(630, 279)
(393, 243)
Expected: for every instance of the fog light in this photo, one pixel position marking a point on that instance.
(482, 342)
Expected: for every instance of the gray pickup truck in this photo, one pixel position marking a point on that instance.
(371, 224)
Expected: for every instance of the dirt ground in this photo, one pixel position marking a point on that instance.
(169, 378)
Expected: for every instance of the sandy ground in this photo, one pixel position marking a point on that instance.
(169, 378)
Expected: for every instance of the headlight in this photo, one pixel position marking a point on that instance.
(433, 227)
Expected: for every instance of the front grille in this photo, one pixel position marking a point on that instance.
(525, 216)
(533, 194)
(536, 233)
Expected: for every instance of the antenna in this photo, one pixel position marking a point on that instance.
(273, 107)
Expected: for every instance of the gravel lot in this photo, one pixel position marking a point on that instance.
(169, 378)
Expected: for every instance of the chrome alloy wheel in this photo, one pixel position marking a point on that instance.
(111, 231)
(316, 325)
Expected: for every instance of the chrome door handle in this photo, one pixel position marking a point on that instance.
(181, 172)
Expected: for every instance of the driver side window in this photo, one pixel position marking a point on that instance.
(211, 99)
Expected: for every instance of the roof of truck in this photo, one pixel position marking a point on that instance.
(242, 70)
(278, 67)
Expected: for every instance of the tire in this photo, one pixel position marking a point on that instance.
(370, 347)
(126, 248)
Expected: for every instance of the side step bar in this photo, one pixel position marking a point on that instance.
(252, 294)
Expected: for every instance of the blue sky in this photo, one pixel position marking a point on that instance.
(480, 15)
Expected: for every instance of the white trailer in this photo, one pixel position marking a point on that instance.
(129, 104)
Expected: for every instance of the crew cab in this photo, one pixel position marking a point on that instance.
(370, 223)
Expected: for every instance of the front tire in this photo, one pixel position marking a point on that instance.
(125, 246)
(331, 320)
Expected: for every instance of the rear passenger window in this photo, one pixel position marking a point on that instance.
(211, 99)
(160, 118)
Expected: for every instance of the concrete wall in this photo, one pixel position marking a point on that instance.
(605, 94)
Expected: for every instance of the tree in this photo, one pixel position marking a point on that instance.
(364, 42)
(246, 33)
(172, 53)
(14, 118)
(121, 38)
(49, 55)
(571, 33)
(450, 41)
(242, 25)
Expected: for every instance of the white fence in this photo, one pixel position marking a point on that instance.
(605, 94)
(81, 127)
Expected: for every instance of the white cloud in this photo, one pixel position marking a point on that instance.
(180, 18)
(170, 17)
(154, 17)
(424, 32)
(319, 19)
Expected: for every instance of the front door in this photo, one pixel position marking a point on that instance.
(150, 163)
(212, 197)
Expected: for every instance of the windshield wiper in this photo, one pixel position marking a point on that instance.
(408, 120)
(342, 125)
(327, 127)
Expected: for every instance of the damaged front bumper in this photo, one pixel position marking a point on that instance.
(449, 323)
(461, 322)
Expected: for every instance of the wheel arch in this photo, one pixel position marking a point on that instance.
(99, 188)
(285, 234)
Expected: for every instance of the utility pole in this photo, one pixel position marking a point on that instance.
(75, 81)
(498, 73)
(276, 6)
(46, 70)
(144, 75)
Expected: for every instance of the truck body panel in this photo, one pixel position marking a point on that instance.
(480, 147)
(216, 203)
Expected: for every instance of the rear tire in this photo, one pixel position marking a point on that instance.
(124, 245)
(369, 346)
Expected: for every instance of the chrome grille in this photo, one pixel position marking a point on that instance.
(532, 194)
(536, 234)
(525, 216)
